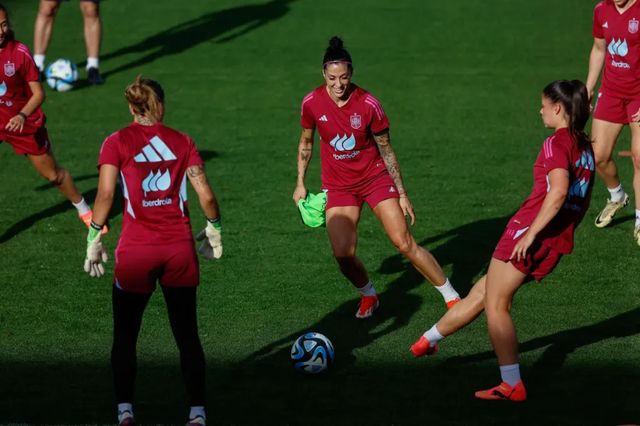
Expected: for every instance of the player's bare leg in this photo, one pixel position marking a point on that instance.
(604, 135)
(43, 29)
(342, 225)
(459, 316)
(503, 280)
(93, 38)
(395, 225)
(47, 166)
(635, 155)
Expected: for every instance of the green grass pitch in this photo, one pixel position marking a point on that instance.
(460, 82)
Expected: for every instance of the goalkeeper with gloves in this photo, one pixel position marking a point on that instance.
(156, 243)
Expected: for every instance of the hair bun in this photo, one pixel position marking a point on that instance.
(336, 42)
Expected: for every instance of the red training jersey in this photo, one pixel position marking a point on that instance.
(349, 155)
(18, 69)
(559, 151)
(153, 161)
(621, 32)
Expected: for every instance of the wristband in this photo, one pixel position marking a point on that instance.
(216, 223)
(96, 226)
(93, 234)
(23, 115)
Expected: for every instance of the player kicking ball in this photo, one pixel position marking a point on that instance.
(535, 239)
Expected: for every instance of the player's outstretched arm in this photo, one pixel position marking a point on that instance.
(211, 236)
(305, 149)
(383, 140)
(96, 254)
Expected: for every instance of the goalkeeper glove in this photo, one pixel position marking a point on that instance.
(211, 237)
(96, 254)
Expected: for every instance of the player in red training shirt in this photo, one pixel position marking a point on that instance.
(156, 244)
(536, 237)
(358, 166)
(22, 122)
(616, 48)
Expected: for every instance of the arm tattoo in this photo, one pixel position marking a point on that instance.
(305, 149)
(197, 176)
(389, 157)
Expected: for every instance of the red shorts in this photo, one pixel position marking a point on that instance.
(537, 264)
(615, 110)
(36, 143)
(138, 268)
(379, 189)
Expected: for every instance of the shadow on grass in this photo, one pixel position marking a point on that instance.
(65, 205)
(561, 344)
(393, 393)
(47, 186)
(621, 219)
(31, 220)
(467, 248)
(220, 26)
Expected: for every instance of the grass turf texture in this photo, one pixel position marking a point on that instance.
(460, 83)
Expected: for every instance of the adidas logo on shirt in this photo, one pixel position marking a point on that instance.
(155, 152)
(323, 118)
(605, 25)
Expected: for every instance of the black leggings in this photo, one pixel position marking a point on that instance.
(127, 318)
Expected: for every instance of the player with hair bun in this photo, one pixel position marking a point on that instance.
(537, 236)
(22, 122)
(358, 166)
(156, 244)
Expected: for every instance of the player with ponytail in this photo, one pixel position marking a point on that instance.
(536, 237)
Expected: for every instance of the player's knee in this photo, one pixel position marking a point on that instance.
(404, 243)
(635, 157)
(57, 176)
(89, 10)
(48, 9)
(602, 161)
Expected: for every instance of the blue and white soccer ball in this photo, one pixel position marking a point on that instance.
(312, 353)
(61, 75)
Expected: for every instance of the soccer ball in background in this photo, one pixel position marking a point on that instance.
(312, 353)
(61, 75)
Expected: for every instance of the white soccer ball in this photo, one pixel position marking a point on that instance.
(312, 353)
(61, 75)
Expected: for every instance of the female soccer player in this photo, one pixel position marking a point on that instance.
(154, 163)
(616, 48)
(358, 166)
(536, 236)
(22, 122)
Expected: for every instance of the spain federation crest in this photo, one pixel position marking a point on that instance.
(356, 121)
(9, 69)
(633, 25)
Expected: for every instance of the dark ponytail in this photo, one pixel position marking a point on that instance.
(336, 53)
(575, 100)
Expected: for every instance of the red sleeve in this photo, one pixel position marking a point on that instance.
(29, 69)
(109, 152)
(307, 121)
(379, 120)
(556, 155)
(194, 155)
(597, 21)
